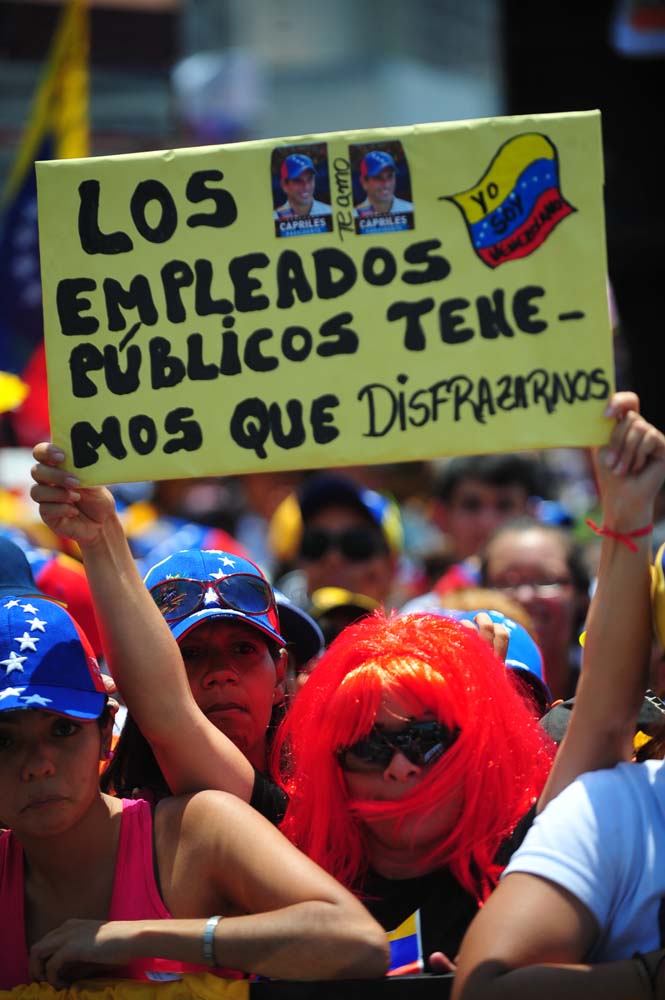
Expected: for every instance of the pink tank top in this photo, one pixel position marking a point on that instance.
(135, 897)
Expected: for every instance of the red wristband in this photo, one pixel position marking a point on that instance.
(621, 536)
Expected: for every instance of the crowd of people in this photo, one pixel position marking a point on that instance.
(335, 717)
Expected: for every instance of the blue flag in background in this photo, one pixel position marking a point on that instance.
(57, 129)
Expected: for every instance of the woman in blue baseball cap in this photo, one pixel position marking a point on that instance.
(148, 888)
(222, 612)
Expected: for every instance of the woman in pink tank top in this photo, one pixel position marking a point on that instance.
(91, 884)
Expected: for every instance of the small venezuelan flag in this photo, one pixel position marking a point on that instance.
(517, 203)
(406, 950)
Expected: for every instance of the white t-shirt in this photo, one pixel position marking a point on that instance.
(603, 839)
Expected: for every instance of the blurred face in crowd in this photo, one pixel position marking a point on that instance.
(531, 567)
(235, 681)
(300, 192)
(476, 510)
(342, 548)
(380, 189)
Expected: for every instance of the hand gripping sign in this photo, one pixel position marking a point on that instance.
(336, 299)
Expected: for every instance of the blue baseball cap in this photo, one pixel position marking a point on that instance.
(46, 661)
(523, 653)
(296, 164)
(375, 161)
(213, 565)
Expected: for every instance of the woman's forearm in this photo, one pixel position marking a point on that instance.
(306, 941)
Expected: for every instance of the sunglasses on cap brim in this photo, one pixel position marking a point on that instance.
(180, 597)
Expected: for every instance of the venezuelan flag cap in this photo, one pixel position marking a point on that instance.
(46, 661)
(194, 585)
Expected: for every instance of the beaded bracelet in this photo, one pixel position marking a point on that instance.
(621, 536)
(208, 940)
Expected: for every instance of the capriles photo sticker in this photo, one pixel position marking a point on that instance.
(301, 190)
(382, 189)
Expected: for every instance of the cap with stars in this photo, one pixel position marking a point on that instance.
(46, 661)
(212, 565)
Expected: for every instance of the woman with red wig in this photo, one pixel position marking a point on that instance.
(413, 766)
(412, 763)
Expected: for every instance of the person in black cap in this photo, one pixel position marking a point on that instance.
(337, 533)
(304, 642)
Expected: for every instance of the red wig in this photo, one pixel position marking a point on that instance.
(499, 761)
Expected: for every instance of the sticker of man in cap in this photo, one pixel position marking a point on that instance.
(381, 210)
(301, 213)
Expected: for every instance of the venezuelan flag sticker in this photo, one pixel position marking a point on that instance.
(517, 202)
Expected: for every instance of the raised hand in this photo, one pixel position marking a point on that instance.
(494, 634)
(67, 508)
(631, 468)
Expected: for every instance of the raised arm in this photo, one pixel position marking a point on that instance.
(283, 916)
(630, 470)
(141, 653)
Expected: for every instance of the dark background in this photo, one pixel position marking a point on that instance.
(558, 57)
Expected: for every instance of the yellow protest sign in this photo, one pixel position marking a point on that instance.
(333, 299)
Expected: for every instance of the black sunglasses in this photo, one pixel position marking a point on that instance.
(355, 544)
(422, 743)
(179, 597)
